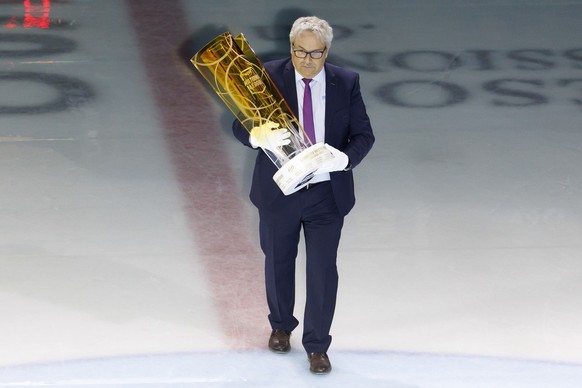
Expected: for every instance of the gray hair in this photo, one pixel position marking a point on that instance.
(318, 26)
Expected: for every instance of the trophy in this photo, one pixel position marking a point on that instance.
(238, 77)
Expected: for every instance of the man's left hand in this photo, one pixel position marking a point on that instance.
(339, 162)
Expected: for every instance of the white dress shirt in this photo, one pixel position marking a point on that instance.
(317, 86)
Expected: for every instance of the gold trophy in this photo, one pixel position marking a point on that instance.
(236, 74)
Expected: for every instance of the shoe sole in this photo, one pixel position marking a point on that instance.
(280, 351)
(321, 373)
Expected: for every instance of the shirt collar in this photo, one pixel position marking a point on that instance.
(319, 78)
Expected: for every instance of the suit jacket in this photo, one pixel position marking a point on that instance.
(347, 128)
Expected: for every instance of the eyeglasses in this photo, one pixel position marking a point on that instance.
(316, 54)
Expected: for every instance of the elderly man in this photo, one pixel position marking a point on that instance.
(327, 101)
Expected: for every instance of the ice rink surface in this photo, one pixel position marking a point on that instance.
(129, 249)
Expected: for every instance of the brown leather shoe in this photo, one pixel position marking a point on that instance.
(279, 342)
(319, 363)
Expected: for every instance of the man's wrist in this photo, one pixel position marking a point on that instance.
(348, 167)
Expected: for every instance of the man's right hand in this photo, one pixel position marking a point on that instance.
(269, 136)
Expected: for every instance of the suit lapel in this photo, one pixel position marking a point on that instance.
(330, 101)
(290, 92)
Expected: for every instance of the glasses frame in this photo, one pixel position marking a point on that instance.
(310, 53)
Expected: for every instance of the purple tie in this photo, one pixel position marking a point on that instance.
(308, 125)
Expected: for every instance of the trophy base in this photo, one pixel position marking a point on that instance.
(298, 172)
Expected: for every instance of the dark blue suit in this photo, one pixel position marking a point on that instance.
(319, 210)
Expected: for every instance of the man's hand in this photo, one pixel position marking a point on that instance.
(269, 136)
(339, 162)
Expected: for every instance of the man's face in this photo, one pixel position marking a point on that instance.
(308, 67)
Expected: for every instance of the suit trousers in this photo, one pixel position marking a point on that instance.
(315, 211)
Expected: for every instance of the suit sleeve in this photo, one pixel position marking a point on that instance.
(360, 136)
(241, 133)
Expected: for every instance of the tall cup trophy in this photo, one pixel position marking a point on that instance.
(236, 74)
